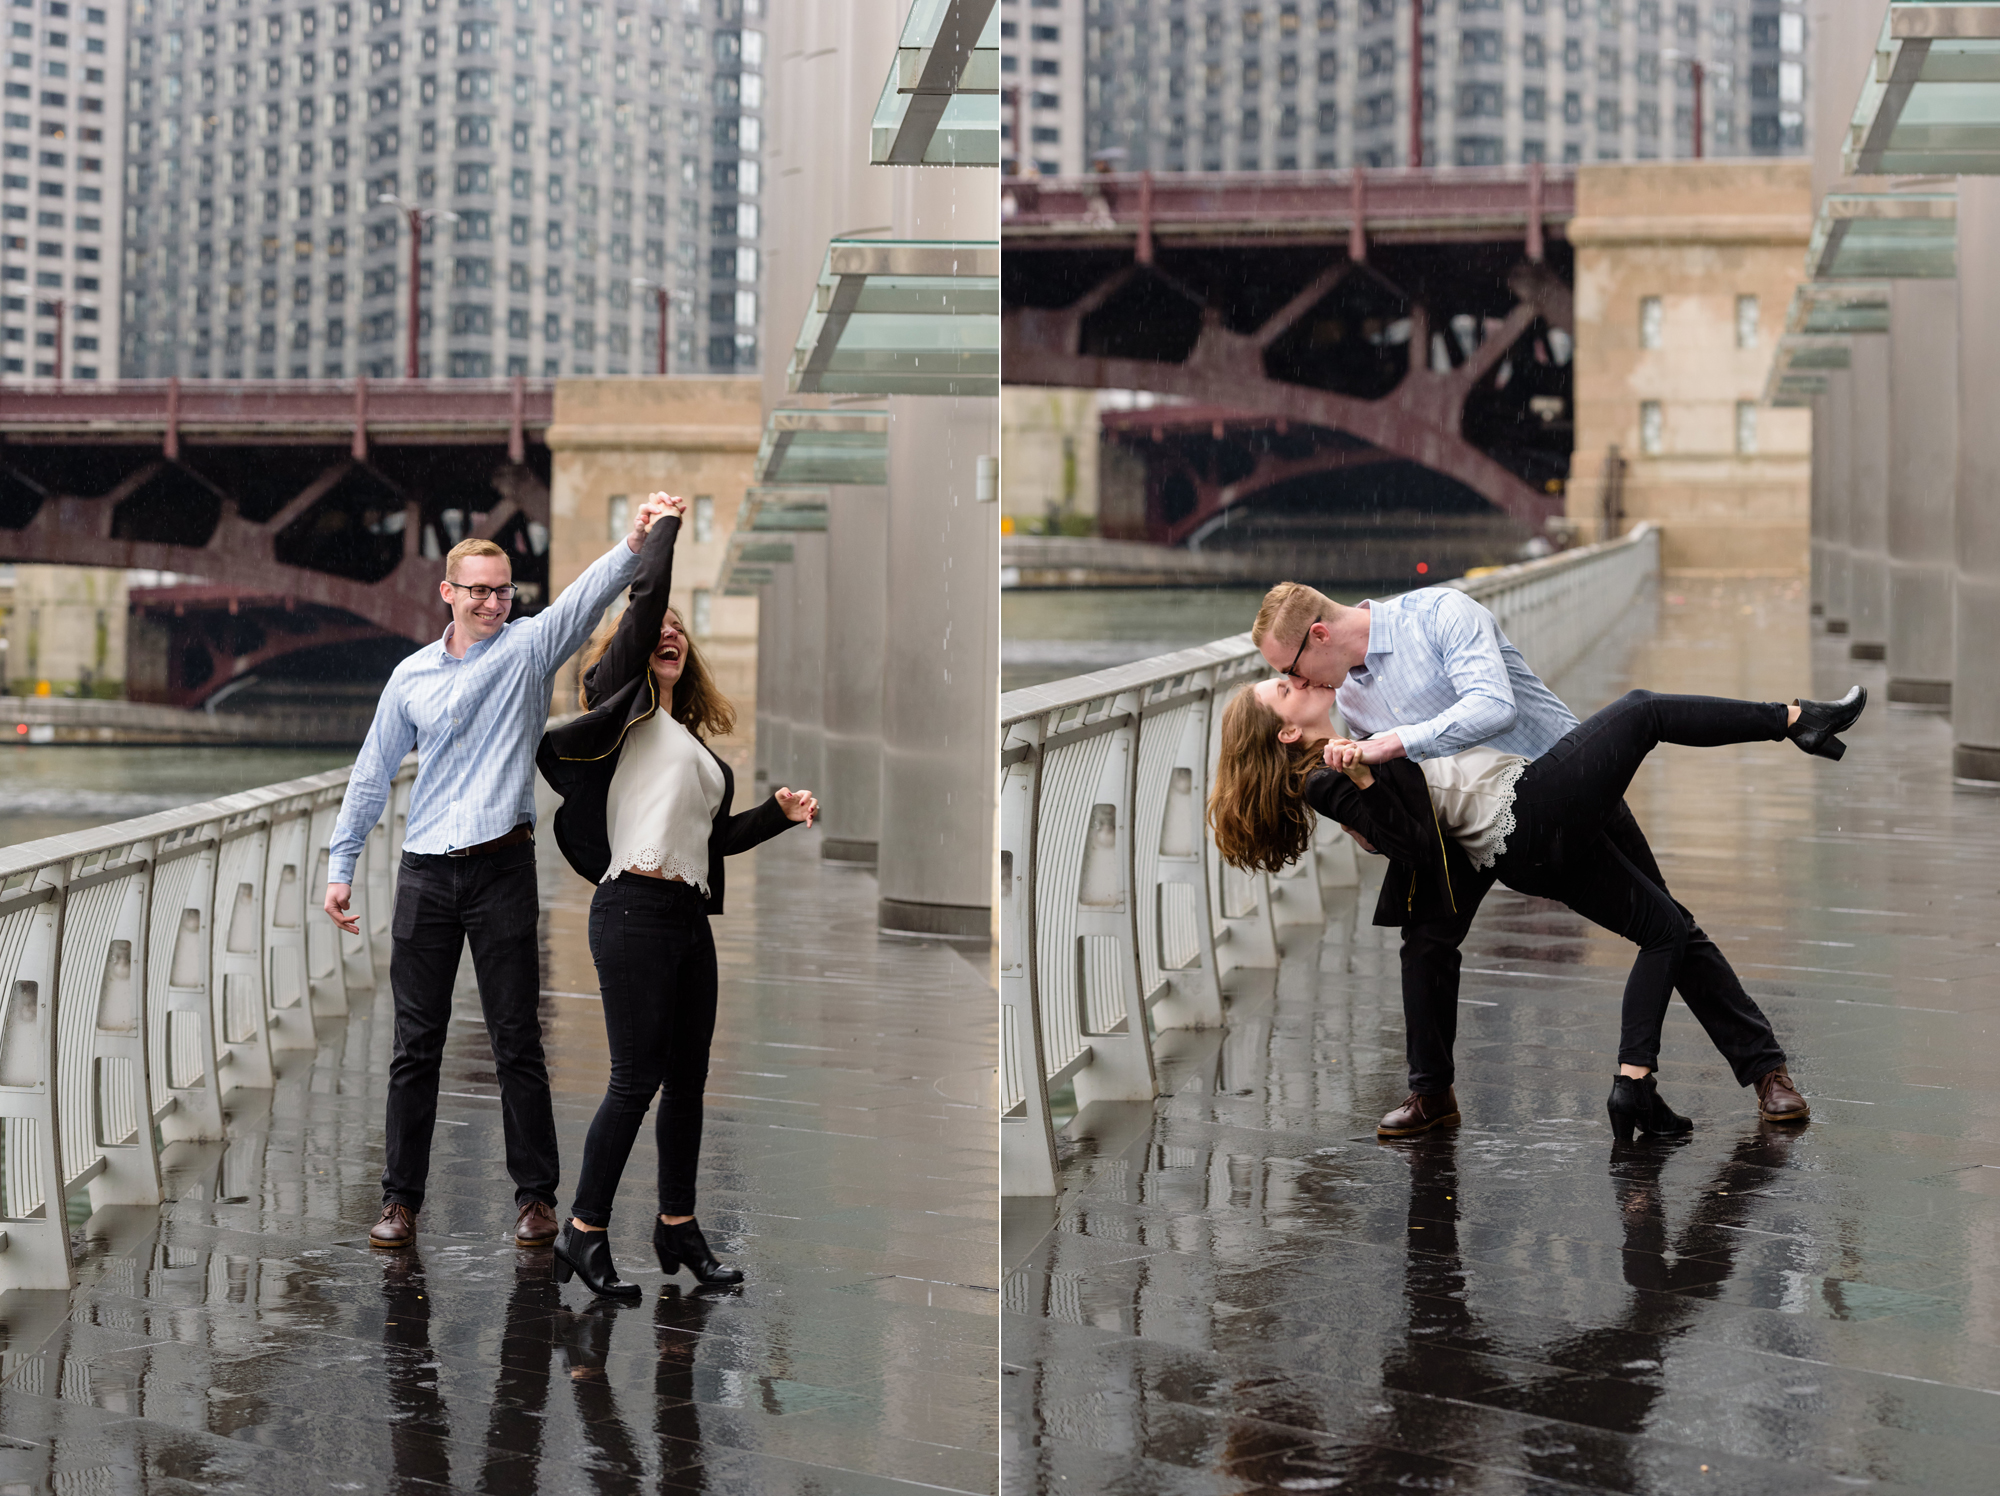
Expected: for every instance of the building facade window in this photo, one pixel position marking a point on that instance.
(1652, 428)
(1651, 322)
(1746, 427)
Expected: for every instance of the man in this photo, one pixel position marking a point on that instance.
(1435, 662)
(473, 706)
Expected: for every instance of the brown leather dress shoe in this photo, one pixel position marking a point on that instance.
(537, 1226)
(1419, 1113)
(397, 1228)
(1778, 1100)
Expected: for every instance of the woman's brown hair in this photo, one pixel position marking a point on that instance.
(697, 705)
(1256, 808)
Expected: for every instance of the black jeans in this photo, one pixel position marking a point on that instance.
(656, 972)
(441, 904)
(1576, 842)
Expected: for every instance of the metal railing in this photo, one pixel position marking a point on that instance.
(1117, 918)
(148, 968)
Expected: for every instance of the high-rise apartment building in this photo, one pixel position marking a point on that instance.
(568, 148)
(60, 189)
(1281, 85)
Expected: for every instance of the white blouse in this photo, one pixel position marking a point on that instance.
(662, 802)
(1473, 791)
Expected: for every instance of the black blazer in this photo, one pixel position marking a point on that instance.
(1430, 877)
(579, 757)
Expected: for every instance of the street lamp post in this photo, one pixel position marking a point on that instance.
(1700, 77)
(417, 218)
(1416, 82)
(661, 297)
(55, 307)
(1698, 73)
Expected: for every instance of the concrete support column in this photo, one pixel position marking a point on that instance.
(760, 747)
(1868, 501)
(1923, 455)
(1839, 483)
(774, 681)
(1975, 676)
(857, 542)
(940, 711)
(1822, 420)
(803, 648)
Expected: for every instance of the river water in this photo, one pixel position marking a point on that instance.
(1046, 635)
(48, 790)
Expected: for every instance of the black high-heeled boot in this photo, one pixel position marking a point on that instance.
(587, 1255)
(684, 1246)
(1638, 1104)
(1820, 720)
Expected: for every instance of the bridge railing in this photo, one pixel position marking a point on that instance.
(150, 967)
(1117, 918)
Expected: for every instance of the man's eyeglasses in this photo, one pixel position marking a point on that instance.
(485, 594)
(1292, 670)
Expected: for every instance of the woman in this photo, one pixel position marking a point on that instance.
(645, 816)
(1446, 822)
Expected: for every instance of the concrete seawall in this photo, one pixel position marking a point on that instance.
(59, 719)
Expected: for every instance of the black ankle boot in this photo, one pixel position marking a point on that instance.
(684, 1246)
(1638, 1103)
(587, 1255)
(1820, 720)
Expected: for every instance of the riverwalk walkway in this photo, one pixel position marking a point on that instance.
(243, 1337)
(1239, 1289)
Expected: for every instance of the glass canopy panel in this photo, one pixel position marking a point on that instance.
(1838, 308)
(902, 317)
(941, 103)
(1793, 389)
(1931, 102)
(824, 446)
(783, 509)
(1800, 354)
(1884, 236)
(750, 563)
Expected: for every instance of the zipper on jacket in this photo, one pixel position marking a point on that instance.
(652, 691)
(1444, 862)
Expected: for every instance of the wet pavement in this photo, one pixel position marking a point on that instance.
(245, 1338)
(1239, 1289)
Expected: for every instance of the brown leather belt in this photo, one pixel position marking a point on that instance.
(521, 833)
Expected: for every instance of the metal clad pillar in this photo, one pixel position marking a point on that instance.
(1822, 419)
(1868, 500)
(941, 638)
(803, 648)
(1975, 677)
(774, 707)
(766, 696)
(857, 539)
(1839, 484)
(1923, 448)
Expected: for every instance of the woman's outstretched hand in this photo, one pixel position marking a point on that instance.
(798, 805)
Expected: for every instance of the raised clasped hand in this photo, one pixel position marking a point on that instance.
(798, 805)
(1341, 753)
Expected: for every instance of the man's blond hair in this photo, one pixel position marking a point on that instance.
(1288, 611)
(471, 548)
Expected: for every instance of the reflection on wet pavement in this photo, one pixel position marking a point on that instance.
(245, 1338)
(1239, 1289)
